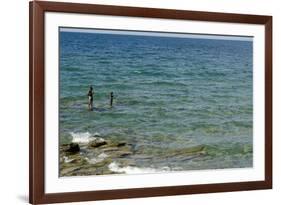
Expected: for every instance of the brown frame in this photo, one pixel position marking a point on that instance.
(37, 96)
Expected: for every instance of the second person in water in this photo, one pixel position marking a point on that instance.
(111, 99)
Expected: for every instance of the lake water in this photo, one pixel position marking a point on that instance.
(169, 94)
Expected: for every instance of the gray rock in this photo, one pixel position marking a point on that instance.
(97, 142)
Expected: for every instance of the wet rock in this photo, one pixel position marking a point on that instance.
(64, 147)
(120, 153)
(99, 168)
(97, 142)
(72, 164)
(142, 157)
(124, 153)
(73, 160)
(73, 148)
(78, 160)
(85, 159)
(110, 149)
(121, 144)
(68, 171)
(103, 163)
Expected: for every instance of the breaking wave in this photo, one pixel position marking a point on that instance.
(115, 167)
(83, 137)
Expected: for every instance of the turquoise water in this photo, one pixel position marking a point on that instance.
(170, 93)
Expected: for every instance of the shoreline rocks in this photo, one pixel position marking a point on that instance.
(92, 158)
(95, 156)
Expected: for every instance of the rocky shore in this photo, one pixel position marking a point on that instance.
(92, 158)
(97, 156)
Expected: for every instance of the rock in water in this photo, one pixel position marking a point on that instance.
(73, 148)
(96, 134)
(121, 144)
(97, 142)
(124, 153)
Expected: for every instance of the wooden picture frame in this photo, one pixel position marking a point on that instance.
(37, 98)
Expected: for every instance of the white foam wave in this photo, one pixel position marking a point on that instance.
(81, 137)
(66, 159)
(84, 137)
(115, 167)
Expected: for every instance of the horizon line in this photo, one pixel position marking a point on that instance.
(157, 34)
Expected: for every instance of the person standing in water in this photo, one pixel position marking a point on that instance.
(90, 98)
(111, 99)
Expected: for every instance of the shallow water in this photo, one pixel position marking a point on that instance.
(170, 93)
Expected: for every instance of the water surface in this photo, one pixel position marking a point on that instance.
(170, 93)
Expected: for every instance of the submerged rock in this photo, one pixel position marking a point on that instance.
(195, 149)
(189, 151)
